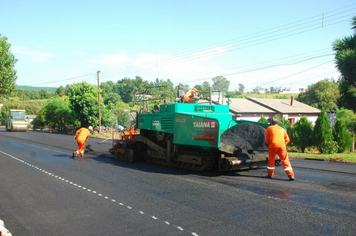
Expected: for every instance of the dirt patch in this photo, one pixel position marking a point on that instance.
(247, 137)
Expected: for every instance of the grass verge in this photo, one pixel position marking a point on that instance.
(335, 157)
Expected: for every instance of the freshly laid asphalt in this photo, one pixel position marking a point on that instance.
(46, 192)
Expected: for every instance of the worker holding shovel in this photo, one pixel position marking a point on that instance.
(81, 136)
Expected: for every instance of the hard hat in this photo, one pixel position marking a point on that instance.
(90, 128)
(195, 90)
(119, 128)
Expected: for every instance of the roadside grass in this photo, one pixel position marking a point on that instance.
(335, 157)
(102, 135)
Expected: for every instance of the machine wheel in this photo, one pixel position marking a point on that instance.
(129, 155)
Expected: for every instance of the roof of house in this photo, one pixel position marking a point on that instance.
(267, 106)
(242, 105)
(285, 106)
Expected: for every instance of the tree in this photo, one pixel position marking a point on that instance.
(221, 84)
(350, 120)
(60, 91)
(13, 103)
(57, 113)
(322, 134)
(184, 87)
(43, 94)
(241, 89)
(127, 88)
(346, 63)
(108, 95)
(205, 88)
(7, 72)
(302, 133)
(39, 122)
(342, 135)
(323, 94)
(83, 99)
(263, 119)
(286, 123)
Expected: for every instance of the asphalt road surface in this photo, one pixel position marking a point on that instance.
(44, 191)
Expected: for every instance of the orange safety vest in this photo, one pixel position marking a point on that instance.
(123, 134)
(132, 132)
(82, 134)
(276, 136)
(187, 97)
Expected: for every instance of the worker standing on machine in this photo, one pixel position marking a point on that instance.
(277, 140)
(82, 136)
(188, 96)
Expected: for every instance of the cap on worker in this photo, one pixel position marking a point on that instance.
(273, 120)
(90, 128)
(195, 90)
(119, 128)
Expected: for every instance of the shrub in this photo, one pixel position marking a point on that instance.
(329, 147)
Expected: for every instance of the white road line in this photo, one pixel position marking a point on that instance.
(88, 190)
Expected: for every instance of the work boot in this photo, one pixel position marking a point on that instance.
(291, 178)
(74, 155)
(269, 176)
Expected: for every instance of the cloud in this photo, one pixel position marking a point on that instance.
(111, 59)
(147, 60)
(18, 50)
(178, 71)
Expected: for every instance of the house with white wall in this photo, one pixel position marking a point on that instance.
(253, 108)
(289, 109)
(244, 109)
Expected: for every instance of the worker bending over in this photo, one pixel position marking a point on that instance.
(82, 136)
(132, 131)
(188, 96)
(124, 133)
(277, 140)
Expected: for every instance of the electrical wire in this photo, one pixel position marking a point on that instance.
(262, 37)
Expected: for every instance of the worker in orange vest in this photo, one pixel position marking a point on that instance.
(124, 133)
(132, 131)
(81, 136)
(277, 140)
(188, 96)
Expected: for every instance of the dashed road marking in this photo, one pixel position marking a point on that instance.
(89, 190)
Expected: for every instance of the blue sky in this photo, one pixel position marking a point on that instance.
(263, 43)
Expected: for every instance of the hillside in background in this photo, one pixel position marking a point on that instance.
(29, 88)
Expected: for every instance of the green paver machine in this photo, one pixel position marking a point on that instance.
(190, 136)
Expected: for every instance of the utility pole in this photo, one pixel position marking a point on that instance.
(99, 101)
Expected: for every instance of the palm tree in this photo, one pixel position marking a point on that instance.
(346, 63)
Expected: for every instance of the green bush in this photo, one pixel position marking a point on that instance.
(329, 147)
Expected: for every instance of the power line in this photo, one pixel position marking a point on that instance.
(262, 38)
(300, 72)
(52, 82)
(265, 36)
